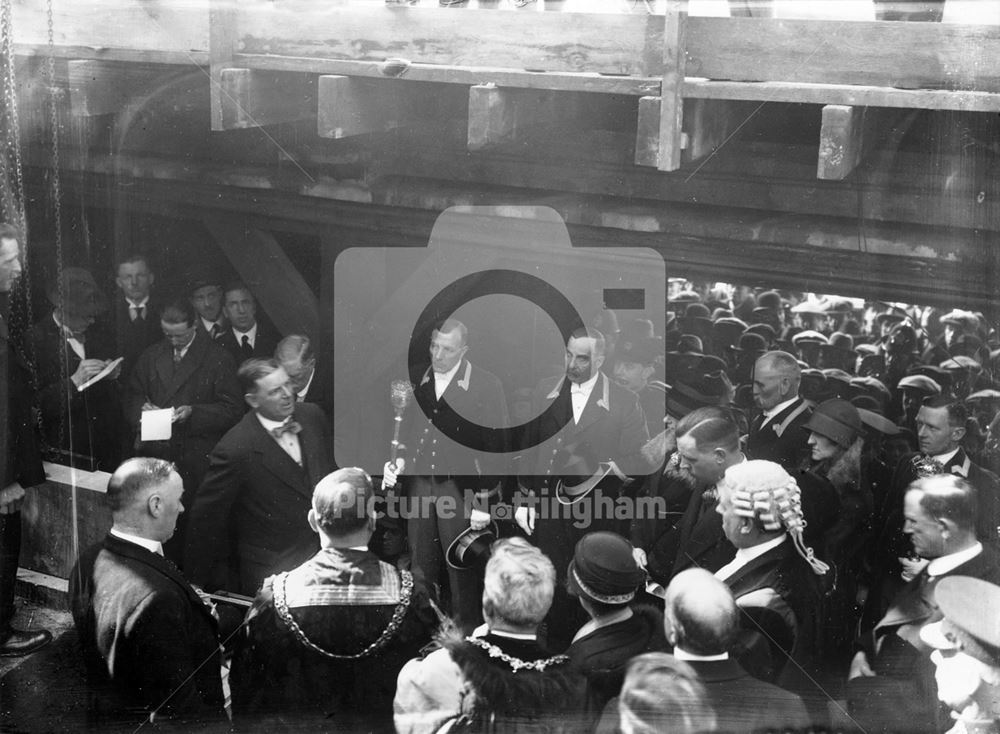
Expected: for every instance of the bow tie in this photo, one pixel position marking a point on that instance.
(289, 426)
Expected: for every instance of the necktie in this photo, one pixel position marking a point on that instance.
(177, 356)
(247, 348)
(137, 312)
(216, 331)
(289, 426)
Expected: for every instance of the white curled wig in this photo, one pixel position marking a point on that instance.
(763, 491)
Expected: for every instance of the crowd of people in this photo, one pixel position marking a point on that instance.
(826, 526)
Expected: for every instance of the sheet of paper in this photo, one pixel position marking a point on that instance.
(108, 369)
(156, 425)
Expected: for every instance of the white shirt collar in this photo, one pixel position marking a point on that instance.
(945, 459)
(745, 555)
(443, 379)
(136, 304)
(769, 414)
(681, 654)
(153, 546)
(585, 388)
(269, 424)
(950, 562)
(305, 390)
(251, 332)
(605, 621)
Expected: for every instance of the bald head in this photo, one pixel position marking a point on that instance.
(700, 614)
(340, 506)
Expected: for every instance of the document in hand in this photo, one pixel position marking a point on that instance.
(157, 424)
(108, 369)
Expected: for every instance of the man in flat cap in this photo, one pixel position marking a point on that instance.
(966, 653)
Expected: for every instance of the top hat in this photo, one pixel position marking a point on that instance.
(604, 570)
(471, 549)
(580, 472)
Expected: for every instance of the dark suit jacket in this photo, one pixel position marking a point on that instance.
(890, 541)
(206, 380)
(742, 703)
(903, 693)
(789, 448)
(701, 542)
(146, 636)
(263, 348)
(20, 460)
(745, 704)
(134, 337)
(249, 515)
(451, 436)
(92, 417)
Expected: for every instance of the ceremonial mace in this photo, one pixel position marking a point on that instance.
(400, 395)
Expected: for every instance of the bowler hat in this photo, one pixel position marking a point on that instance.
(765, 330)
(471, 549)
(812, 385)
(604, 570)
(751, 342)
(837, 420)
(771, 300)
(643, 350)
(700, 391)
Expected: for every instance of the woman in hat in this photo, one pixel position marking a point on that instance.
(836, 441)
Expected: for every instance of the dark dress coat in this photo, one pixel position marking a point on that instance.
(343, 600)
(248, 519)
(783, 439)
(903, 693)
(149, 642)
(93, 417)
(604, 654)
(612, 427)
(20, 457)
(264, 344)
(205, 379)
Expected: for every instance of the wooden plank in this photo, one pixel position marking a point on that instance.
(349, 106)
(668, 156)
(107, 26)
(610, 43)
(105, 87)
(281, 291)
(464, 75)
(710, 123)
(814, 93)
(647, 134)
(252, 98)
(879, 54)
(222, 45)
(498, 116)
(847, 134)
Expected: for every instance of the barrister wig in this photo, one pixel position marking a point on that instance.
(765, 492)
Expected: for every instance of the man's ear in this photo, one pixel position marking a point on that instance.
(720, 455)
(598, 362)
(957, 433)
(251, 400)
(313, 523)
(154, 505)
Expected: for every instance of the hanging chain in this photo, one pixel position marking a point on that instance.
(12, 120)
(54, 94)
